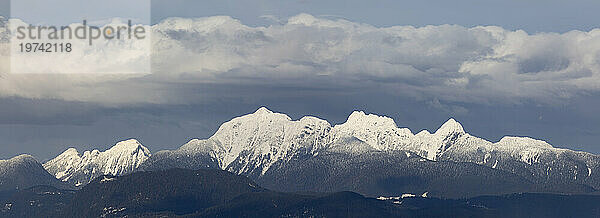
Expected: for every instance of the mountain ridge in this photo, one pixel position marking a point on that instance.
(256, 142)
(264, 141)
(123, 158)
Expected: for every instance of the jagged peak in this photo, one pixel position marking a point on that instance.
(128, 142)
(423, 133)
(263, 110)
(450, 126)
(357, 114)
(70, 152)
(130, 145)
(361, 118)
(94, 152)
(259, 116)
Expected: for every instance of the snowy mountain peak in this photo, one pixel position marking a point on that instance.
(263, 110)
(253, 142)
(360, 119)
(451, 126)
(379, 132)
(122, 158)
(131, 145)
(262, 116)
(423, 133)
(71, 151)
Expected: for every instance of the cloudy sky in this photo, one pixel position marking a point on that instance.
(526, 68)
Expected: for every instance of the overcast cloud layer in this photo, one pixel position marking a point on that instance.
(448, 62)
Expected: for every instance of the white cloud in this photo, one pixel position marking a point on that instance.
(449, 62)
(87, 56)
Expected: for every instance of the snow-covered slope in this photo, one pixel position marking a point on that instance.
(381, 133)
(253, 143)
(531, 158)
(123, 158)
(23, 172)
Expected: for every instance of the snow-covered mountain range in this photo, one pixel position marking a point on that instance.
(123, 158)
(256, 143)
(251, 144)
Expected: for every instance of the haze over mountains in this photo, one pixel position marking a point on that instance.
(368, 154)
